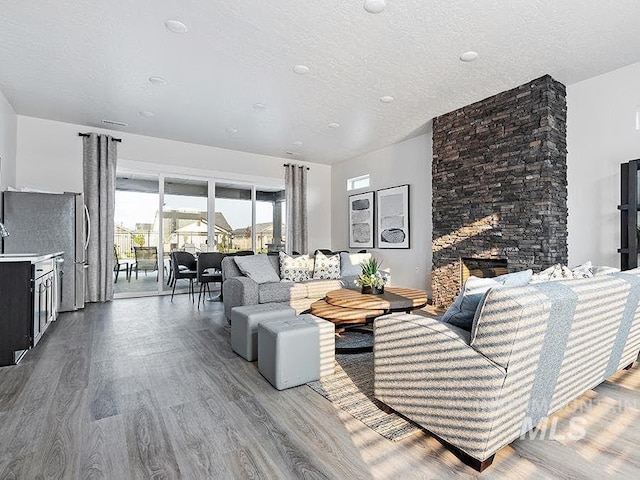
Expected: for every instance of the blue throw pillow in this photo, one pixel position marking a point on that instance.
(515, 279)
(463, 309)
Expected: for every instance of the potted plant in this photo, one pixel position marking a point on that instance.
(371, 280)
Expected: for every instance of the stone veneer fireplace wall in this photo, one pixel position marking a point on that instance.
(500, 183)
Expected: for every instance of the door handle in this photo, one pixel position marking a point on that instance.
(88, 221)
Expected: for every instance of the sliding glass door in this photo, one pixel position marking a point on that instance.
(270, 216)
(185, 220)
(234, 218)
(157, 214)
(136, 234)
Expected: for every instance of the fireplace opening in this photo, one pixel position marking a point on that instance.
(481, 267)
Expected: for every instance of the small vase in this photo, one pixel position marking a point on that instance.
(367, 289)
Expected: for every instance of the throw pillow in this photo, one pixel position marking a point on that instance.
(556, 272)
(350, 263)
(515, 279)
(294, 269)
(604, 270)
(257, 268)
(463, 309)
(583, 271)
(327, 268)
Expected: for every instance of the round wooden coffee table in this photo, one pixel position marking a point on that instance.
(348, 308)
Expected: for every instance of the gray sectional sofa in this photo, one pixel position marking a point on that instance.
(532, 349)
(238, 289)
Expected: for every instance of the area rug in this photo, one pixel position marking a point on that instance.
(351, 389)
(354, 340)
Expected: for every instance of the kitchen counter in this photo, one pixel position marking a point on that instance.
(28, 257)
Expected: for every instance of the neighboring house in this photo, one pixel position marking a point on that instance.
(223, 232)
(264, 238)
(181, 227)
(196, 233)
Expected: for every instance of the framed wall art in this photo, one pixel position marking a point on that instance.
(361, 210)
(392, 225)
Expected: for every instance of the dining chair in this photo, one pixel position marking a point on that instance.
(188, 260)
(209, 269)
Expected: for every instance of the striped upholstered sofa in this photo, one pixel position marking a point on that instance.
(531, 351)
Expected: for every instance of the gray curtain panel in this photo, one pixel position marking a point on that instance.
(99, 168)
(296, 197)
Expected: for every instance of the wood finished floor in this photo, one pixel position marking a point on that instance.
(145, 388)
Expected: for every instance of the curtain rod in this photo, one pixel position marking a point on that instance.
(287, 164)
(80, 134)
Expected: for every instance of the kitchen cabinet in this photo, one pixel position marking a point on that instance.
(44, 298)
(29, 300)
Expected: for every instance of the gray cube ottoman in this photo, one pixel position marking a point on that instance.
(289, 351)
(327, 344)
(244, 326)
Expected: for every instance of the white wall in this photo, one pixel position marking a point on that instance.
(8, 129)
(601, 135)
(49, 157)
(408, 162)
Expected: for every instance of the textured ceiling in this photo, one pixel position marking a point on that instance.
(82, 61)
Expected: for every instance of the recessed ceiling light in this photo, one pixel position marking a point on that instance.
(146, 113)
(469, 56)
(259, 106)
(301, 69)
(334, 125)
(113, 122)
(387, 99)
(298, 143)
(231, 131)
(157, 80)
(175, 26)
(375, 6)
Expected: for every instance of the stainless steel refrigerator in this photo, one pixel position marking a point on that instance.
(48, 223)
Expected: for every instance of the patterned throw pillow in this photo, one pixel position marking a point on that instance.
(294, 269)
(327, 268)
(557, 272)
(583, 271)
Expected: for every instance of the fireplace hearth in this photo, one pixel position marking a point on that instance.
(482, 267)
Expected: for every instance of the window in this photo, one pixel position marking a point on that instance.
(358, 182)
